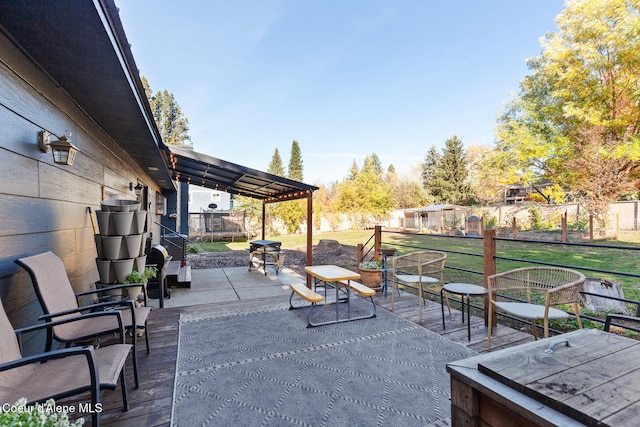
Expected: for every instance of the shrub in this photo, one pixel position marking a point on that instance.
(41, 415)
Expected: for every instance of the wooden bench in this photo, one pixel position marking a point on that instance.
(363, 290)
(307, 294)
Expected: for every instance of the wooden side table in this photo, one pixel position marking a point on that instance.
(462, 289)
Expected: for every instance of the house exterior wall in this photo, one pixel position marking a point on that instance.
(44, 206)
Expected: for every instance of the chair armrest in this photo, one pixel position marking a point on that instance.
(88, 351)
(100, 305)
(51, 323)
(565, 294)
(110, 288)
(119, 286)
(610, 317)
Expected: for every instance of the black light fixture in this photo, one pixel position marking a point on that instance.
(64, 152)
(138, 188)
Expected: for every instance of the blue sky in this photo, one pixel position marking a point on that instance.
(345, 78)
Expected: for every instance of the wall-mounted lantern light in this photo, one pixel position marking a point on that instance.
(64, 152)
(138, 188)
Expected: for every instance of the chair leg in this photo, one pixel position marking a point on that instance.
(420, 300)
(442, 296)
(146, 338)
(576, 310)
(393, 293)
(546, 328)
(123, 387)
(534, 329)
(489, 318)
(135, 357)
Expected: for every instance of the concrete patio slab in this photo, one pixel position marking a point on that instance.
(230, 284)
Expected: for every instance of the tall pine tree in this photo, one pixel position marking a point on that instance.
(373, 165)
(295, 162)
(172, 124)
(429, 165)
(448, 182)
(292, 213)
(276, 167)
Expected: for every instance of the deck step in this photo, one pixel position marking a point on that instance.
(178, 275)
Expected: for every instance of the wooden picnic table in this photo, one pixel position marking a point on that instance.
(592, 381)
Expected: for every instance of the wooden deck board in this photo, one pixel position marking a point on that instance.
(150, 405)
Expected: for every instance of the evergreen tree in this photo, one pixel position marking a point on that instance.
(172, 124)
(276, 166)
(147, 89)
(295, 162)
(431, 160)
(373, 165)
(391, 170)
(365, 194)
(292, 213)
(353, 171)
(448, 183)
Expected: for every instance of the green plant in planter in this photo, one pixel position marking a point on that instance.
(136, 277)
(371, 265)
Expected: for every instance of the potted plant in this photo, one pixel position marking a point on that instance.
(47, 414)
(137, 277)
(371, 273)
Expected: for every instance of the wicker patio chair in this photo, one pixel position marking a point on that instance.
(58, 301)
(60, 373)
(551, 285)
(417, 269)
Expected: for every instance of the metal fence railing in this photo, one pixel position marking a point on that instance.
(469, 261)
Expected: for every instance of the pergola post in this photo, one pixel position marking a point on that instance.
(264, 218)
(489, 249)
(309, 235)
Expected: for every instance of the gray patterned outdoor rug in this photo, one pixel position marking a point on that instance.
(266, 368)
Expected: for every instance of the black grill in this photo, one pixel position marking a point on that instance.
(158, 257)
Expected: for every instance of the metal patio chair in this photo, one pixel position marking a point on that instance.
(58, 301)
(60, 373)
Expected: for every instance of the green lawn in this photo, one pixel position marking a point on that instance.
(465, 254)
(291, 241)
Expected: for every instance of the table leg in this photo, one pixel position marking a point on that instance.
(348, 299)
(442, 305)
(264, 260)
(337, 303)
(468, 318)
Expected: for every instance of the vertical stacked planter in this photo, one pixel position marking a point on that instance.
(121, 242)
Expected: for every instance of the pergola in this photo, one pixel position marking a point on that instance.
(186, 165)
